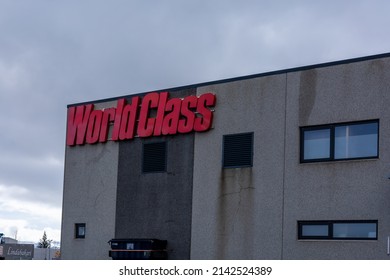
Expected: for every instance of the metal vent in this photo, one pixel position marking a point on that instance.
(238, 150)
(154, 157)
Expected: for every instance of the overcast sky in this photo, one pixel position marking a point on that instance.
(54, 53)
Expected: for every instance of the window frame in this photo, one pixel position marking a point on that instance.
(330, 225)
(77, 227)
(332, 128)
(251, 134)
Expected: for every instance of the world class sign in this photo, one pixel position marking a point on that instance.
(153, 115)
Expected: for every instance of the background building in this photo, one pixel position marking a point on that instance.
(292, 164)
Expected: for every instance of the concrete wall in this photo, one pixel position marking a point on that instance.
(252, 213)
(237, 213)
(157, 205)
(90, 185)
(346, 190)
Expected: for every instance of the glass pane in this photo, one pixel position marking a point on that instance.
(315, 230)
(317, 144)
(359, 140)
(354, 230)
(80, 230)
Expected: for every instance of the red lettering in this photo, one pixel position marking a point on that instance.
(108, 116)
(146, 124)
(118, 118)
(204, 121)
(77, 124)
(187, 124)
(172, 119)
(94, 124)
(160, 113)
(129, 119)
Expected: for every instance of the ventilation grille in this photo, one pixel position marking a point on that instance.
(238, 150)
(154, 157)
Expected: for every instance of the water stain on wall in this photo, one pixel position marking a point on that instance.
(307, 95)
(235, 213)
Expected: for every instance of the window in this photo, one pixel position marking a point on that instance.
(338, 230)
(154, 157)
(80, 230)
(340, 141)
(237, 150)
(315, 230)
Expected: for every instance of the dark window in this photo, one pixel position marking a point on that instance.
(154, 157)
(338, 230)
(80, 230)
(238, 150)
(340, 141)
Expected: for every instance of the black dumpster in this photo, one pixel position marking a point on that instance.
(138, 249)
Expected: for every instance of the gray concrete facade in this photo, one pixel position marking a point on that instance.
(253, 212)
(242, 204)
(157, 205)
(344, 190)
(206, 211)
(90, 187)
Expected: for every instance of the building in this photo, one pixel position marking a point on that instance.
(291, 164)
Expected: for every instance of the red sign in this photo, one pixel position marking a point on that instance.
(153, 115)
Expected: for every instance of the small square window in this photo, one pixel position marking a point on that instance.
(238, 150)
(80, 230)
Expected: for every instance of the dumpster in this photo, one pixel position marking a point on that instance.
(138, 249)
